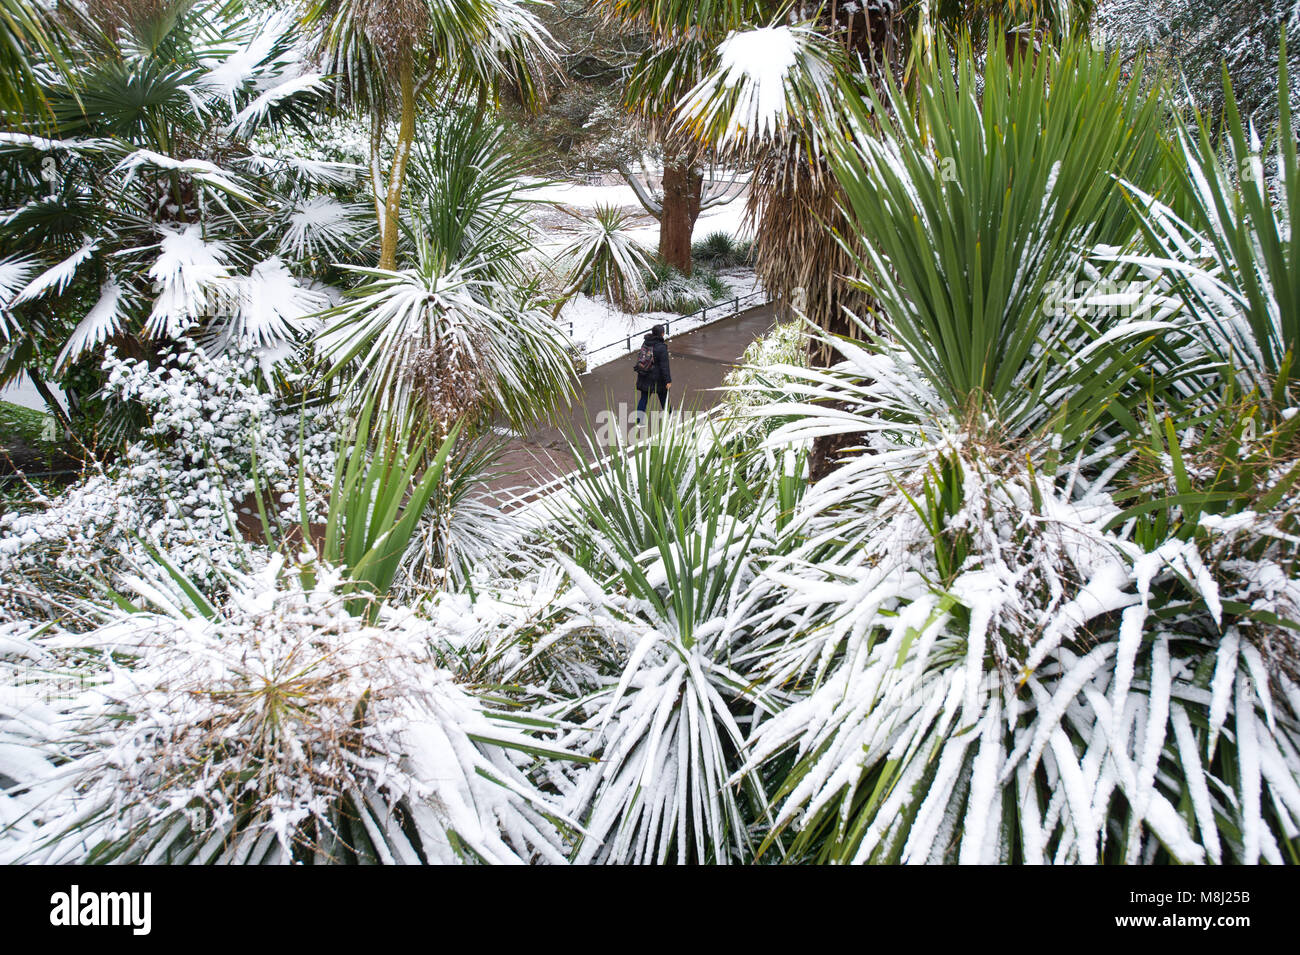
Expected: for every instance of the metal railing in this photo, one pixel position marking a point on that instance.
(724, 309)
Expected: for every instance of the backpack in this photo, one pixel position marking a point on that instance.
(645, 360)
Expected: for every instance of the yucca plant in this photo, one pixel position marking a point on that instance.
(1232, 255)
(993, 660)
(973, 202)
(606, 259)
(986, 671)
(461, 331)
(668, 730)
(274, 726)
(383, 483)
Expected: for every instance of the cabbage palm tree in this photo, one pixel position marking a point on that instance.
(667, 536)
(393, 55)
(461, 330)
(447, 337)
(994, 659)
(963, 264)
(757, 81)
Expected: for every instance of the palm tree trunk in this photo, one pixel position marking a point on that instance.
(683, 184)
(391, 224)
(377, 186)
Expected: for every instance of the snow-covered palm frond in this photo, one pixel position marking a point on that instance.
(200, 170)
(764, 77)
(397, 316)
(190, 274)
(274, 727)
(318, 171)
(517, 50)
(271, 307)
(252, 116)
(138, 146)
(15, 272)
(57, 277)
(99, 325)
(230, 72)
(11, 141)
(512, 24)
(321, 226)
(485, 44)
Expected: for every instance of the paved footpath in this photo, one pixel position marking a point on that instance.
(700, 359)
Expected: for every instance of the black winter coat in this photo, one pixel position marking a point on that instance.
(659, 375)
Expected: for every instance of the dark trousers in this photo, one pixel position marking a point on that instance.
(661, 391)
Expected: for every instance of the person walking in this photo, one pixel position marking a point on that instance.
(652, 371)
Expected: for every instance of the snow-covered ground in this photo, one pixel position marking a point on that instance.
(605, 332)
(729, 218)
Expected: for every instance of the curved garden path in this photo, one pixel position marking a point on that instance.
(700, 360)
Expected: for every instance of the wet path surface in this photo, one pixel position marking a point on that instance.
(699, 360)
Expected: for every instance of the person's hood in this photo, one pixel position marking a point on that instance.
(652, 337)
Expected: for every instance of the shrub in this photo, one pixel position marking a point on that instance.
(719, 250)
(667, 290)
(215, 439)
(764, 378)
